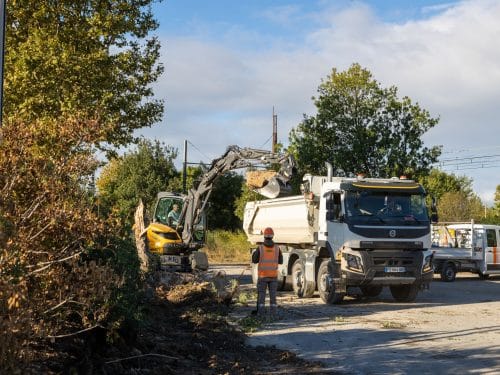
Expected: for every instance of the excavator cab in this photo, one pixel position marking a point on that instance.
(164, 207)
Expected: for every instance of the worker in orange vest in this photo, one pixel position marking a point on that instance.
(267, 256)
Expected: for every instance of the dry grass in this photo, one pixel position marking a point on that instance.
(224, 246)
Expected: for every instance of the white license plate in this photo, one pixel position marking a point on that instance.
(395, 269)
(170, 259)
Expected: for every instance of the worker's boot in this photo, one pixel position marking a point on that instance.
(259, 311)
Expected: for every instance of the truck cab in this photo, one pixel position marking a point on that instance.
(378, 232)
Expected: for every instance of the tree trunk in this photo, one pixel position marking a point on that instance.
(140, 237)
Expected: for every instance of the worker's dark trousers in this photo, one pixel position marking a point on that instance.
(263, 283)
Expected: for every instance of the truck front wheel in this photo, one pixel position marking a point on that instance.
(404, 293)
(326, 283)
(301, 287)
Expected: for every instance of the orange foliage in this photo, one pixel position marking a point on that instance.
(51, 280)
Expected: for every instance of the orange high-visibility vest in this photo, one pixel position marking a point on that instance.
(268, 261)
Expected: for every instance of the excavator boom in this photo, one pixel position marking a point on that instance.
(271, 186)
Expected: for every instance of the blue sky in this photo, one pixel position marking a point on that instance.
(227, 63)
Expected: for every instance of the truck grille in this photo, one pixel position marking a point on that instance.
(391, 262)
(380, 262)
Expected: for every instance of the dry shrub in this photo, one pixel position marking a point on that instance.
(52, 282)
(189, 293)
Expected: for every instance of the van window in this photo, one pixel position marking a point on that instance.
(491, 238)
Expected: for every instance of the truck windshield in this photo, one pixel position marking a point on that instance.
(379, 208)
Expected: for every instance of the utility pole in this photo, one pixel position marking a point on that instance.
(3, 16)
(184, 168)
(275, 131)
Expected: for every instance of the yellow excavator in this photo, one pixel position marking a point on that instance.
(178, 228)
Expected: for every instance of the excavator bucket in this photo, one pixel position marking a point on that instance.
(266, 183)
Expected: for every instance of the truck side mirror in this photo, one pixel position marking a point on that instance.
(434, 214)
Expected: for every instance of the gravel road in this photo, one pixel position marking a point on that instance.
(453, 328)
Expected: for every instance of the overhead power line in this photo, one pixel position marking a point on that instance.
(201, 152)
(472, 149)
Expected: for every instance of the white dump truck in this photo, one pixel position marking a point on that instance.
(466, 247)
(348, 232)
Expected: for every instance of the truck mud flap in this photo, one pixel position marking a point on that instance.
(340, 285)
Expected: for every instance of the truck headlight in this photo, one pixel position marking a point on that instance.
(427, 266)
(353, 262)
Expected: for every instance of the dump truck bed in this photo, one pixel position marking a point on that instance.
(291, 218)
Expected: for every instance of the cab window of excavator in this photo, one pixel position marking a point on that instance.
(164, 207)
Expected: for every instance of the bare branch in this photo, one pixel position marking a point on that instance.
(61, 304)
(75, 333)
(40, 232)
(143, 355)
(30, 211)
(48, 264)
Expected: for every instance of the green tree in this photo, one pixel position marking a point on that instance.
(247, 195)
(226, 191)
(456, 200)
(363, 127)
(497, 201)
(458, 206)
(193, 174)
(493, 213)
(437, 183)
(140, 174)
(92, 58)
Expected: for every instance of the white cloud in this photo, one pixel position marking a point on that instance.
(217, 94)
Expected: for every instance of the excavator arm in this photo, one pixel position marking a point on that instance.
(234, 158)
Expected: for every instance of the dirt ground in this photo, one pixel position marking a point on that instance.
(185, 331)
(453, 328)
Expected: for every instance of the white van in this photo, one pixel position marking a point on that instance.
(466, 247)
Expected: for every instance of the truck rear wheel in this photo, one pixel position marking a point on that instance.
(371, 290)
(448, 272)
(404, 293)
(301, 287)
(326, 283)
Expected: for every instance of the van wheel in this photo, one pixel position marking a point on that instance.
(326, 284)
(371, 290)
(448, 273)
(404, 293)
(301, 286)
